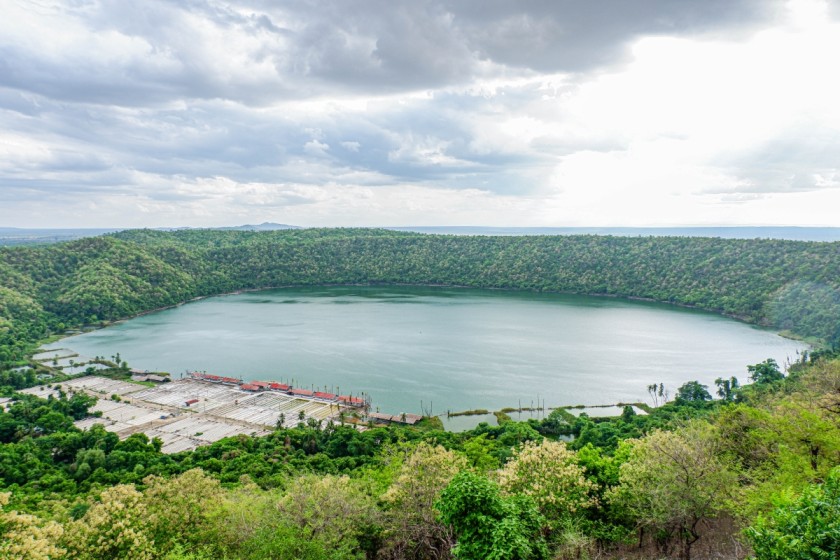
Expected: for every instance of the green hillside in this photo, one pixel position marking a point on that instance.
(752, 472)
(788, 285)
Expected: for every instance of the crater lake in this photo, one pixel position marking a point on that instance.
(443, 348)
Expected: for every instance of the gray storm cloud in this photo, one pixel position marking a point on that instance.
(140, 99)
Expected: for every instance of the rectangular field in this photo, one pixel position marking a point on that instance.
(215, 411)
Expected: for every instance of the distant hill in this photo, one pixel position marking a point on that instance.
(791, 233)
(265, 226)
(42, 236)
(21, 236)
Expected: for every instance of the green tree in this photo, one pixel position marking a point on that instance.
(765, 372)
(179, 508)
(116, 527)
(333, 510)
(26, 537)
(726, 388)
(549, 474)
(673, 481)
(489, 526)
(807, 528)
(317, 518)
(693, 392)
(412, 529)
(479, 452)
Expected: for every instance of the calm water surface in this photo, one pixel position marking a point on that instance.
(452, 349)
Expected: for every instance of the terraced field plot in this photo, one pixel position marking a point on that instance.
(215, 410)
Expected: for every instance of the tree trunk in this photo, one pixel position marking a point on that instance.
(690, 537)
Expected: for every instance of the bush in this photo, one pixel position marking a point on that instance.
(807, 528)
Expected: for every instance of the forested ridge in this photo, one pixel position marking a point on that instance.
(752, 472)
(789, 285)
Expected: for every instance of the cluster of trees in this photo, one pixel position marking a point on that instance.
(696, 477)
(788, 284)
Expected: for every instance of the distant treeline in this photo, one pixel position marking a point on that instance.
(788, 285)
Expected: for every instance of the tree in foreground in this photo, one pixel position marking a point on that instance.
(548, 473)
(412, 528)
(316, 518)
(807, 528)
(489, 526)
(25, 537)
(116, 527)
(674, 481)
(180, 507)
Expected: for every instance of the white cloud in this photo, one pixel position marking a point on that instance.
(316, 148)
(367, 113)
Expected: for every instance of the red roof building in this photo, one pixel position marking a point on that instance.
(191, 401)
(278, 387)
(326, 396)
(352, 401)
(250, 387)
(231, 380)
(302, 392)
(261, 384)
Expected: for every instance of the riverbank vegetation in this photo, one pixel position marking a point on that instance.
(754, 471)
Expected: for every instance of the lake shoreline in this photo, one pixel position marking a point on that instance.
(404, 344)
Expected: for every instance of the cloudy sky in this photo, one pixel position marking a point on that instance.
(420, 112)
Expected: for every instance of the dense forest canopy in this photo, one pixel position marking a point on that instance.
(753, 471)
(788, 285)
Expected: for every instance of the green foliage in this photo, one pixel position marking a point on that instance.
(338, 493)
(765, 372)
(316, 518)
(549, 474)
(179, 508)
(116, 527)
(411, 524)
(727, 388)
(807, 306)
(489, 526)
(608, 433)
(558, 421)
(693, 392)
(674, 481)
(26, 537)
(786, 284)
(288, 542)
(807, 528)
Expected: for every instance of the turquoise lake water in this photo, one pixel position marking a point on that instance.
(416, 349)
